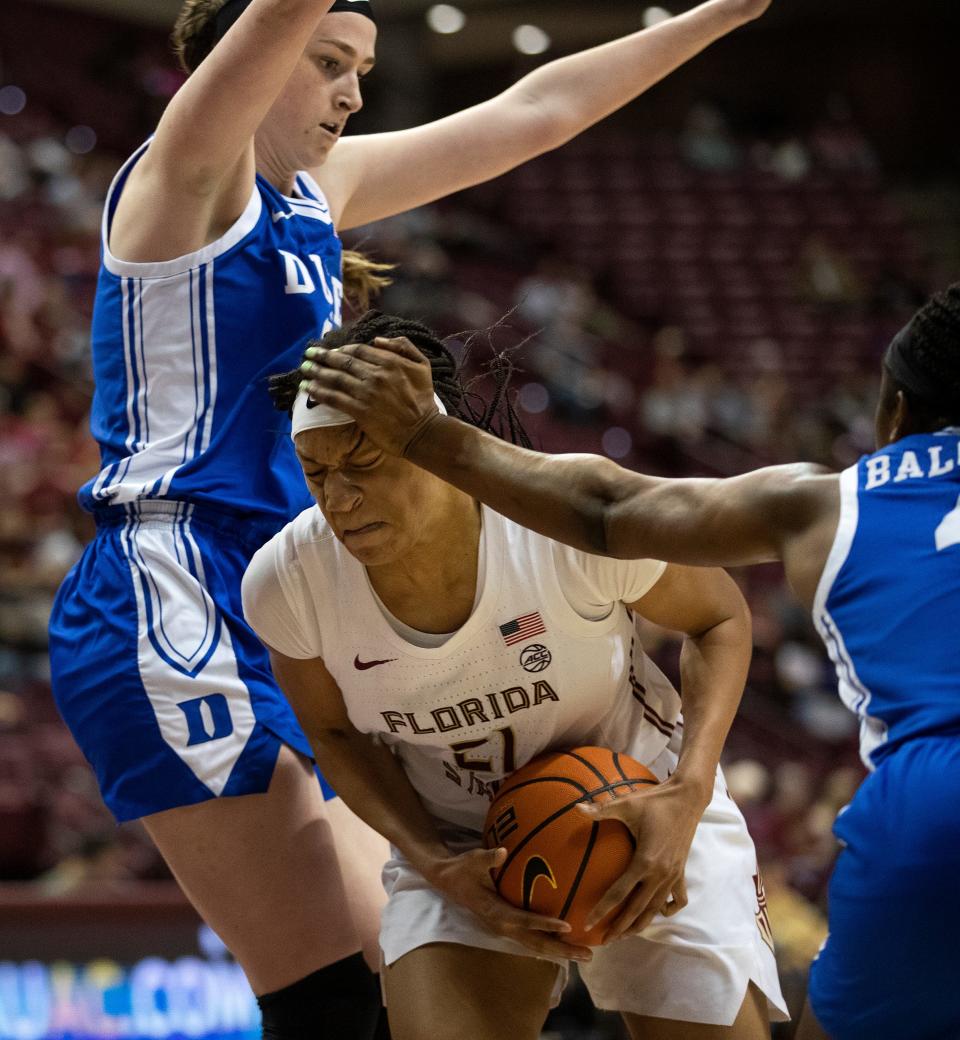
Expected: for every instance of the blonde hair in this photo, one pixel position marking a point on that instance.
(363, 279)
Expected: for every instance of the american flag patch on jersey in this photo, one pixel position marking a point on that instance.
(522, 628)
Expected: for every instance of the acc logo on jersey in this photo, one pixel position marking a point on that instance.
(535, 657)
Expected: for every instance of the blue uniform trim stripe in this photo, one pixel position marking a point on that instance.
(205, 346)
(193, 360)
(135, 439)
(150, 591)
(143, 361)
(844, 664)
(200, 345)
(120, 469)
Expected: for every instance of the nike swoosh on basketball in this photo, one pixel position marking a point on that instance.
(537, 867)
(362, 666)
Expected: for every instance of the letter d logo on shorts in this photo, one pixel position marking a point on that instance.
(208, 718)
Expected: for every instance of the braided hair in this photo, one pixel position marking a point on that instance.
(496, 415)
(928, 372)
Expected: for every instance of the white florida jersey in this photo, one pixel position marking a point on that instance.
(549, 657)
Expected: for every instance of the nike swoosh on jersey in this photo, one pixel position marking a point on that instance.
(281, 216)
(536, 868)
(362, 666)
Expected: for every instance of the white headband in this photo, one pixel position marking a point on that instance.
(308, 414)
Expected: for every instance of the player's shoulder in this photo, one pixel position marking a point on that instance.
(300, 555)
(307, 537)
(518, 541)
(581, 576)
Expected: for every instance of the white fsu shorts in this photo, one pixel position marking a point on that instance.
(692, 967)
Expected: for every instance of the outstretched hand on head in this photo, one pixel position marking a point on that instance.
(387, 387)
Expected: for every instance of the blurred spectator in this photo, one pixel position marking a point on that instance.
(826, 275)
(789, 158)
(837, 141)
(706, 142)
(673, 406)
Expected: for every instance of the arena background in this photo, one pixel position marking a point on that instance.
(709, 280)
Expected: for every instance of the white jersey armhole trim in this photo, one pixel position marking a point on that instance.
(242, 227)
(583, 622)
(314, 188)
(843, 539)
(662, 566)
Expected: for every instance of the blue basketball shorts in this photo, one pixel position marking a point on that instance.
(164, 686)
(889, 968)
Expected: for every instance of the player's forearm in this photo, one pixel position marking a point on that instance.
(586, 501)
(577, 91)
(372, 783)
(561, 496)
(713, 669)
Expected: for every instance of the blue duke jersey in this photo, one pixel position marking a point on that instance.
(182, 349)
(888, 604)
(163, 685)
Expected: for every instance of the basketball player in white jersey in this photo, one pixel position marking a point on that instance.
(874, 552)
(397, 608)
(219, 253)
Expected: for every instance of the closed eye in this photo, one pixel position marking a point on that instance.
(367, 462)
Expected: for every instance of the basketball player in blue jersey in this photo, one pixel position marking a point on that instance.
(220, 254)
(873, 551)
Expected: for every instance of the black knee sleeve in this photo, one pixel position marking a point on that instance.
(339, 1002)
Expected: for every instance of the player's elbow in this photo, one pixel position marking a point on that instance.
(603, 507)
(544, 123)
(722, 608)
(737, 609)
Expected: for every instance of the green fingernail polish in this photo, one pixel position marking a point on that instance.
(312, 352)
(304, 387)
(307, 367)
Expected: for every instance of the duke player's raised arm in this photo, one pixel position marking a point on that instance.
(542, 111)
(592, 503)
(586, 501)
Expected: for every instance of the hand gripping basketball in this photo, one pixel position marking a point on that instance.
(559, 862)
(467, 879)
(387, 387)
(663, 821)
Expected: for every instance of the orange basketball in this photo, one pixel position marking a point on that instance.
(560, 862)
